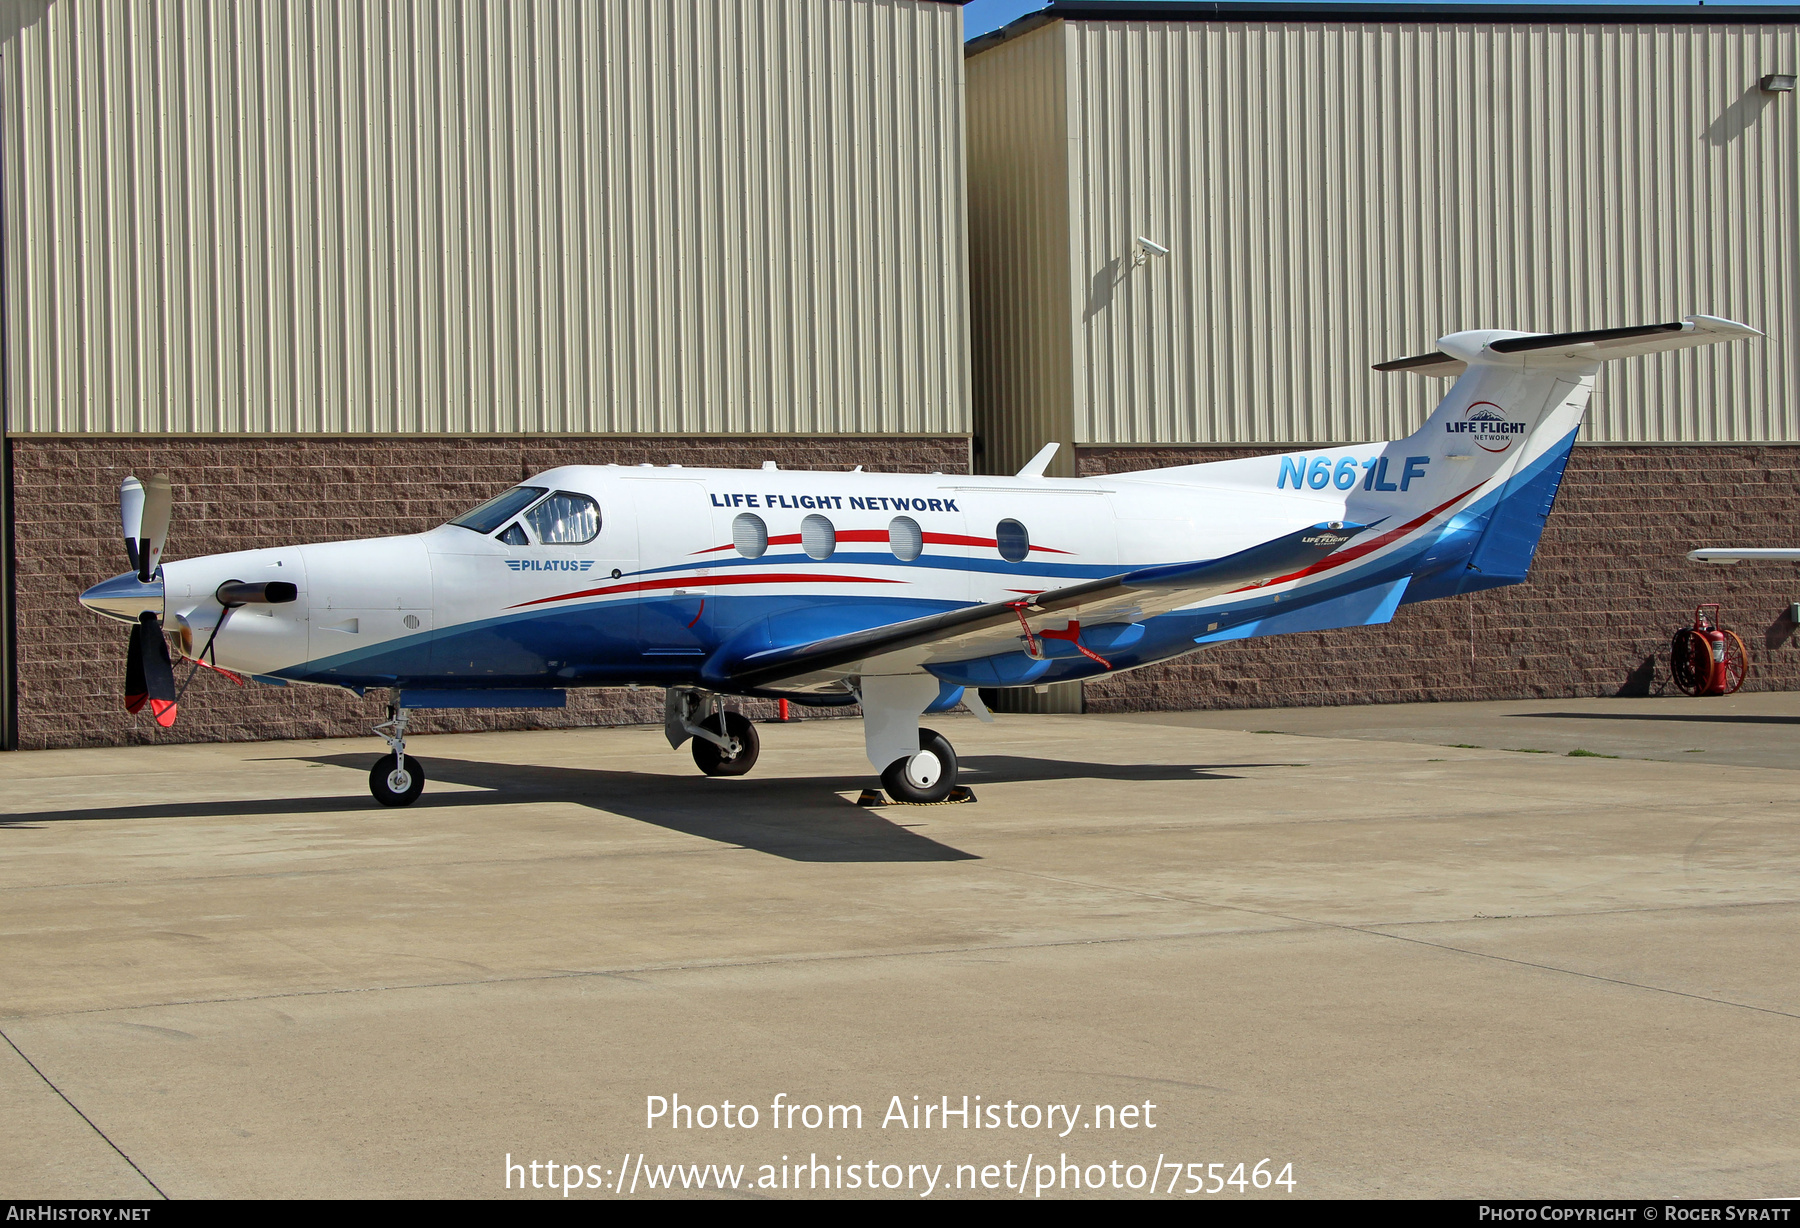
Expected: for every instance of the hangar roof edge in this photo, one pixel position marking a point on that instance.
(1462, 14)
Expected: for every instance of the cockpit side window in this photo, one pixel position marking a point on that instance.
(565, 519)
(500, 509)
(514, 535)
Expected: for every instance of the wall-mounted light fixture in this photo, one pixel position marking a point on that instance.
(1778, 83)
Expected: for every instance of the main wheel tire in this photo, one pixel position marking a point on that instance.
(1690, 660)
(1737, 662)
(926, 777)
(393, 787)
(713, 761)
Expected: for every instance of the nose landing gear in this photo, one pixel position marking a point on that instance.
(396, 779)
(725, 743)
(397, 785)
(735, 752)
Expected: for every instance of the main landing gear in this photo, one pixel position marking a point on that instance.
(918, 766)
(396, 779)
(926, 777)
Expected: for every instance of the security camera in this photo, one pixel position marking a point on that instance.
(1155, 249)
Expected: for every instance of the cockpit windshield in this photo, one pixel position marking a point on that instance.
(500, 509)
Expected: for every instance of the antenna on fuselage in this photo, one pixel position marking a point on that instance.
(1034, 468)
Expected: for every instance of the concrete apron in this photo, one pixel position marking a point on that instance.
(1405, 968)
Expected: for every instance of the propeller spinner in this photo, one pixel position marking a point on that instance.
(137, 597)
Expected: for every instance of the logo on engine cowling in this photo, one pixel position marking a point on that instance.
(1487, 424)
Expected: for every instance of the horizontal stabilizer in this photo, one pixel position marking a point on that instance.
(1435, 363)
(1594, 336)
(1605, 344)
(1593, 345)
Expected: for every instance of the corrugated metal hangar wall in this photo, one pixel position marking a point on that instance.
(1339, 192)
(538, 216)
(347, 267)
(1339, 185)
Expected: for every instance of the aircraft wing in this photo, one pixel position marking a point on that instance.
(986, 630)
(1756, 555)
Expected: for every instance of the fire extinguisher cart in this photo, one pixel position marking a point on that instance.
(1707, 658)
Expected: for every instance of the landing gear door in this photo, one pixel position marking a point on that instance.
(674, 538)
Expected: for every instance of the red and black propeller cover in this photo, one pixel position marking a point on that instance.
(149, 675)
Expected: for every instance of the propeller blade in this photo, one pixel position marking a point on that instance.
(137, 691)
(131, 516)
(159, 502)
(158, 674)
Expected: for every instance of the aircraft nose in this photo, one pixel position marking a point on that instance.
(123, 598)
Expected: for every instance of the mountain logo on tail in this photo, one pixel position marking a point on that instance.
(1487, 424)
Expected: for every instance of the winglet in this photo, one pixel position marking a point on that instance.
(1034, 468)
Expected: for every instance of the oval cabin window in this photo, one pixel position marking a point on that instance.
(1013, 540)
(818, 537)
(906, 539)
(750, 535)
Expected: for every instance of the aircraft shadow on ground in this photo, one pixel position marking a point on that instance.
(1719, 718)
(801, 819)
(805, 823)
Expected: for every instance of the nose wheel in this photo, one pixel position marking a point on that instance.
(396, 784)
(396, 779)
(926, 777)
(737, 756)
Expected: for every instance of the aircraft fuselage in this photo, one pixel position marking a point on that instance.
(670, 577)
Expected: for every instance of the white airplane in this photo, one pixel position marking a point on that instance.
(903, 593)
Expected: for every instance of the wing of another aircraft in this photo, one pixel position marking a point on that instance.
(1752, 555)
(997, 627)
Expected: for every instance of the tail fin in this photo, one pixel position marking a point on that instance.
(1503, 433)
(1460, 503)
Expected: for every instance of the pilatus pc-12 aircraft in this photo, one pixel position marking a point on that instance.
(900, 592)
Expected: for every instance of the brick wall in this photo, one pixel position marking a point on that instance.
(1609, 587)
(239, 494)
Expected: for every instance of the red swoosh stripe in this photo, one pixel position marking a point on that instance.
(1357, 551)
(957, 539)
(639, 586)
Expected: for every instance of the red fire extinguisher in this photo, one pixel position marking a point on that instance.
(1707, 658)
